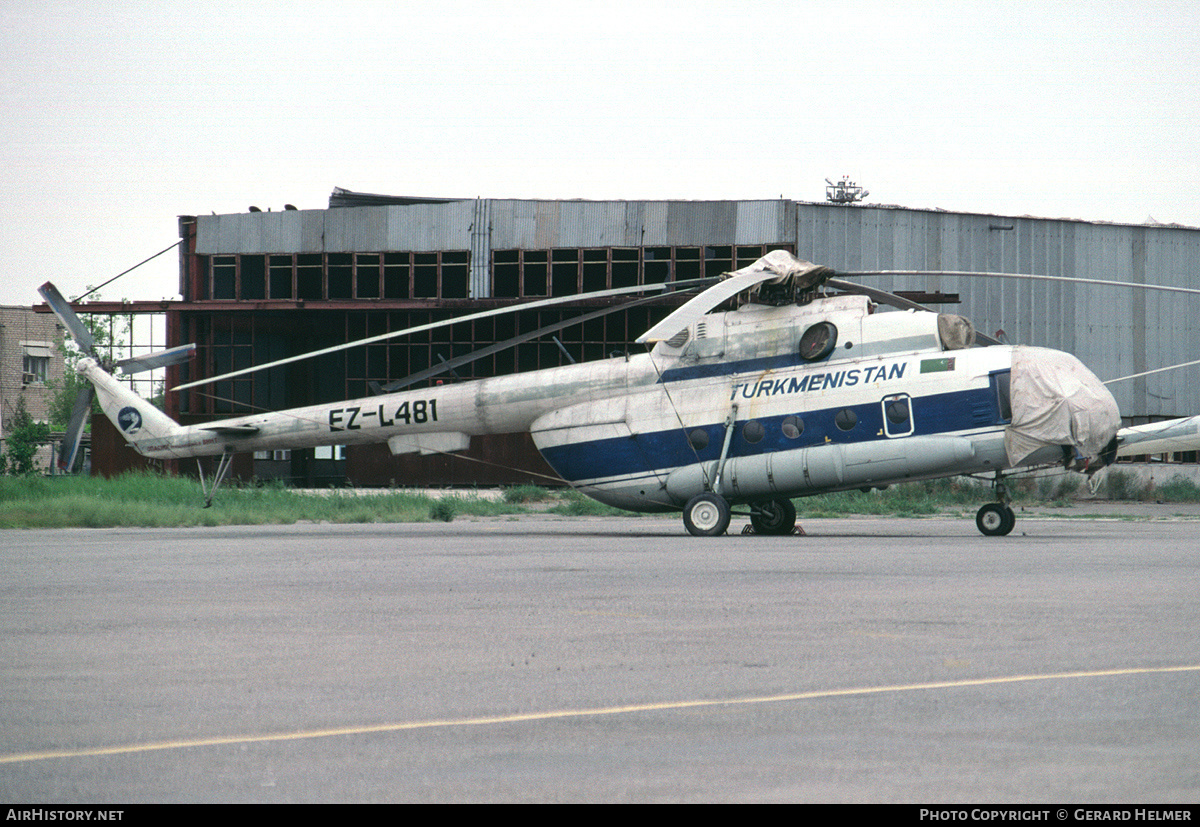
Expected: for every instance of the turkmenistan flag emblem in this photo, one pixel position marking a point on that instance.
(936, 365)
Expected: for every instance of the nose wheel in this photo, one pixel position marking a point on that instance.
(995, 519)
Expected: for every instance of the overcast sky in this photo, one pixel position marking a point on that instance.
(118, 117)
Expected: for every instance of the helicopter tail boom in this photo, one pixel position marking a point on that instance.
(137, 420)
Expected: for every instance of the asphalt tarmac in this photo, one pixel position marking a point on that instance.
(543, 659)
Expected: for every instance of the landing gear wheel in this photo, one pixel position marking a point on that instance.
(774, 517)
(995, 519)
(706, 515)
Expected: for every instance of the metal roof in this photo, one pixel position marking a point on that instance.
(1117, 331)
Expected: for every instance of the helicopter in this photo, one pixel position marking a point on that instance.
(793, 391)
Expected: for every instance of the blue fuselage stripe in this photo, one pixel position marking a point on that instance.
(649, 453)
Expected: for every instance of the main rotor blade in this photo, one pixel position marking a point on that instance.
(535, 305)
(74, 433)
(158, 359)
(62, 308)
(892, 300)
(1030, 276)
(509, 343)
(1148, 372)
(880, 296)
(738, 282)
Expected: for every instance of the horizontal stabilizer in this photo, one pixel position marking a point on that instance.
(231, 430)
(441, 443)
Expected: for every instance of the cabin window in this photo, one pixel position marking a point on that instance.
(897, 415)
(792, 427)
(699, 439)
(845, 419)
(753, 431)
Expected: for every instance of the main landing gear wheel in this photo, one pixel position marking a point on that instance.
(706, 515)
(774, 517)
(995, 519)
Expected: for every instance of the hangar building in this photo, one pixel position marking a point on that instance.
(263, 285)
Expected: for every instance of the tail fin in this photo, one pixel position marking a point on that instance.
(137, 420)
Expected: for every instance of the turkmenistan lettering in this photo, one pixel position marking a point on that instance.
(816, 382)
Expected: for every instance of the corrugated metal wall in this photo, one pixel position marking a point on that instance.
(1116, 331)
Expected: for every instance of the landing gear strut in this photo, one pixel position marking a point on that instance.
(223, 466)
(996, 519)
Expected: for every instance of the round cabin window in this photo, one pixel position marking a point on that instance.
(792, 427)
(897, 410)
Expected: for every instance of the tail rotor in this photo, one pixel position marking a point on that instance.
(86, 343)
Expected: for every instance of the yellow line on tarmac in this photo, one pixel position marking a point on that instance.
(574, 713)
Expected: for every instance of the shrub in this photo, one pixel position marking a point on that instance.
(443, 509)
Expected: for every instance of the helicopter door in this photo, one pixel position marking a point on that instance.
(897, 415)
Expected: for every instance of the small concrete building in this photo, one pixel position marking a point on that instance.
(31, 368)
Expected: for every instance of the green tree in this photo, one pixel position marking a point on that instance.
(22, 442)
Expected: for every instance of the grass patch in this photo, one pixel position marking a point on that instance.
(152, 500)
(1178, 489)
(528, 494)
(574, 504)
(913, 499)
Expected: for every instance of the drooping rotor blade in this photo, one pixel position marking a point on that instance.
(879, 296)
(483, 314)
(158, 359)
(62, 308)
(74, 433)
(803, 272)
(1028, 276)
(1160, 437)
(449, 364)
(892, 300)
(1148, 372)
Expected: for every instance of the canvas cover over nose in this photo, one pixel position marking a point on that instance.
(1056, 400)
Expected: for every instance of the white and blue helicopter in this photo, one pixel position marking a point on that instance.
(795, 392)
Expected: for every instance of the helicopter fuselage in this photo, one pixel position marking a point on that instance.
(758, 402)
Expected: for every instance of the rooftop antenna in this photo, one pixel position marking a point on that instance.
(844, 191)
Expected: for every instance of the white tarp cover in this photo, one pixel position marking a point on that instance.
(783, 265)
(1057, 401)
(774, 268)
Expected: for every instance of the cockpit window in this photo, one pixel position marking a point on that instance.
(1000, 381)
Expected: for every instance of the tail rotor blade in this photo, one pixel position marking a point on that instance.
(79, 415)
(62, 308)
